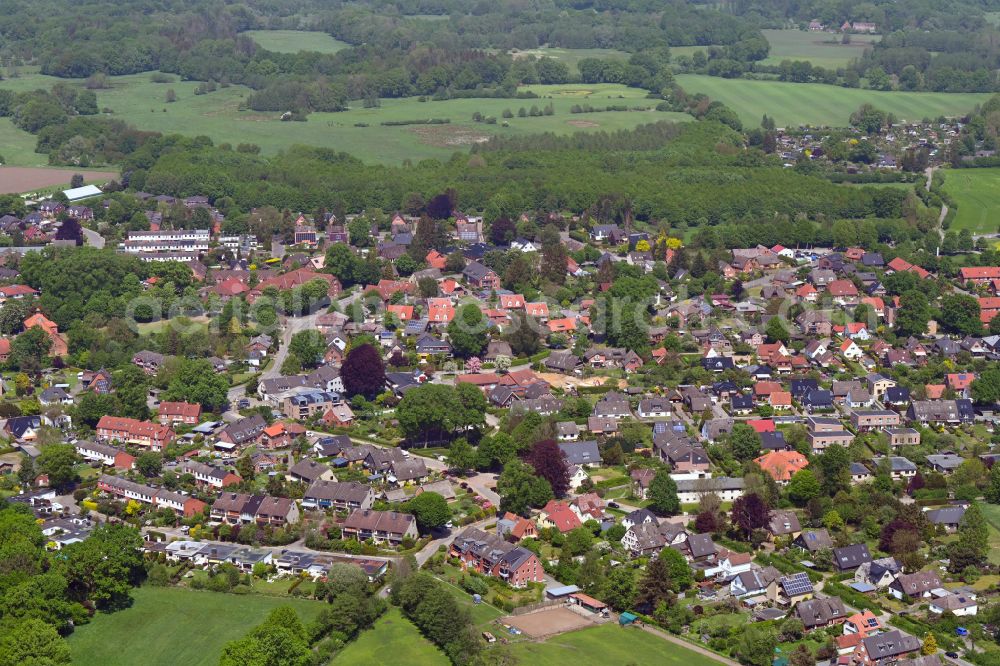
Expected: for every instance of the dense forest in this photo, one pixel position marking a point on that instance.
(691, 175)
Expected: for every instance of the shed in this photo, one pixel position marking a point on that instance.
(627, 618)
(588, 602)
(560, 592)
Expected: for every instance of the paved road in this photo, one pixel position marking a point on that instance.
(93, 238)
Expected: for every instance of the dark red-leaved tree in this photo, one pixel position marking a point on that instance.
(888, 534)
(548, 461)
(363, 372)
(750, 513)
(70, 230)
(706, 522)
(441, 207)
(502, 231)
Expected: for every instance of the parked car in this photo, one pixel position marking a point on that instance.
(614, 505)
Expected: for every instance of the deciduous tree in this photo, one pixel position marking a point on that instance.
(363, 371)
(548, 461)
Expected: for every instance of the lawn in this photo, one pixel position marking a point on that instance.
(168, 625)
(606, 644)
(991, 512)
(793, 104)
(482, 614)
(822, 49)
(17, 146)
(293, 41)
(977, 193)
(392, 640)
(358, 131)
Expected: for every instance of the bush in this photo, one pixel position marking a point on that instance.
(475, 585)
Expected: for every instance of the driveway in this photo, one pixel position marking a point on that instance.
(93, 238)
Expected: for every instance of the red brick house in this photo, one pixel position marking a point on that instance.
(153, 436)
(490, 555)
(187, 413)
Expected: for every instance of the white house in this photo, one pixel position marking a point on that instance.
(961, 603)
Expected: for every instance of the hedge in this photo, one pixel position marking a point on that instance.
(850, 597)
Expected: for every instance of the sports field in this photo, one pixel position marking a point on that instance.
(822, 49)
(168, 626)
(293, 41)
(139, 101)
(977, 193)
(793, 104)
(607, 644)
(393, 640)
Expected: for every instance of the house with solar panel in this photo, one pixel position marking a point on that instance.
(790, 590)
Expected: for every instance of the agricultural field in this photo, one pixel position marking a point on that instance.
(822, 49)
(15, 180)
(606, 644)
(159, 627)
(392, 635)
(139, 101)
(977, 193)
(571, 56)
(293, 41)
(793, 104)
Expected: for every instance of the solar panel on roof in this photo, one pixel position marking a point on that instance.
(797, 584)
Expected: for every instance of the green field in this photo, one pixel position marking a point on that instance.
(393, 640)
(18, 147)
(991, 512)
(822, 49)
(140, 102)
(293, 41)
(977, 193)
(607, 644)
(572, 56)
(169, 626)
(793, 104)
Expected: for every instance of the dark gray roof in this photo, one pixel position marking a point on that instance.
(581, 453)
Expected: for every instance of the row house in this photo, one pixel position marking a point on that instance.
(104, 454)
(154, 436)
(380, 527)
(874, 419)
(940, 411)
(338, 495)
(183, 505)
(207, 475)
(491, 555)
(193, 241)
(242, 433)
(242, 509)
(186, 413)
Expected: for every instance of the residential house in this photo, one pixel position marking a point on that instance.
(491, 555)
(915, 586)
(851, 557)
(382, 527)
(338, 495)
